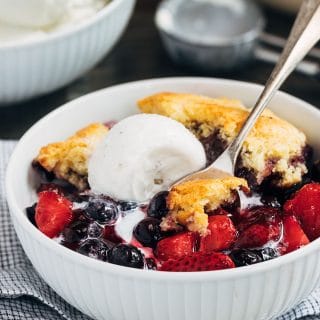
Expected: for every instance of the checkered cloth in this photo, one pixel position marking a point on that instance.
(25, 296)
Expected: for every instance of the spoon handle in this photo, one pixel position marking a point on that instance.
(304, 35)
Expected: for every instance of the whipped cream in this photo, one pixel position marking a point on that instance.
(142, 155)
(22, 20)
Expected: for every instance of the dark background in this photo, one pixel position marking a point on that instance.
(139, 55)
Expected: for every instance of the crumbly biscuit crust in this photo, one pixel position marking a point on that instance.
(189, 202)
(272, 140)
(68, 159)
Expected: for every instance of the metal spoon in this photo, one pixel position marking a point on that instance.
(304, 35)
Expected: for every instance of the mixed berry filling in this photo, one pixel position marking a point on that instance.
(129, 234)
(213, 145)
(274, 221)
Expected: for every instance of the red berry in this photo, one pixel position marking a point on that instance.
(293, 235)
(305, 205)
(258, 235)
(259, 214)
(176, 246)
(53, 213)
(222, 234)
(198, 261)
(258, 226)
(109, 233)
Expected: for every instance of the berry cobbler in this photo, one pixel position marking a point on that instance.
(105, 191)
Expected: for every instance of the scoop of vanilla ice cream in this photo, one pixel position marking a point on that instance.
(142, 155)
(31, 13)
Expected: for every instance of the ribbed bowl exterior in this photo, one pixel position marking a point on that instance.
(105, 291)
(29, 70)
(102, 296)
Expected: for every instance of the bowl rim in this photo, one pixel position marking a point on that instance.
(20, 217)
(62, 33)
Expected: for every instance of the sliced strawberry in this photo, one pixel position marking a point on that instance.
(258, 214)
(176, 246)
(53, 213)
(222, 234)
(258, 235)
(198, 261)
(305, 205)
(293, 235)
(257, 226)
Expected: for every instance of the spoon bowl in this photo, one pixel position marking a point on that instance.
(220, 168)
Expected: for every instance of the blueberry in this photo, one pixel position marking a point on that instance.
(79, 215)
(103, 210)
(316, 171)
(75, 232)
(151, 264)
(126, 255)
(213, 144)
(247, 174)
(42, 172)
(270, 201)
(148, 232)
(245, 257)
(307, 156)
(268, 253)
(31, 213)
(94, 230)
(127, 205)
(94, 248)
(158, 205)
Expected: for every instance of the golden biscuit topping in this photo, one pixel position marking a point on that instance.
(189, 202)
(269, 150)
(68, 159)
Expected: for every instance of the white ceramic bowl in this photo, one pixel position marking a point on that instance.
(106, 291)
(39, 66)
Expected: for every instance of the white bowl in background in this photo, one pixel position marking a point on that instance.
(39, 66)
(106, 291)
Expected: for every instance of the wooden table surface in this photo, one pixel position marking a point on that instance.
(139, 55)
